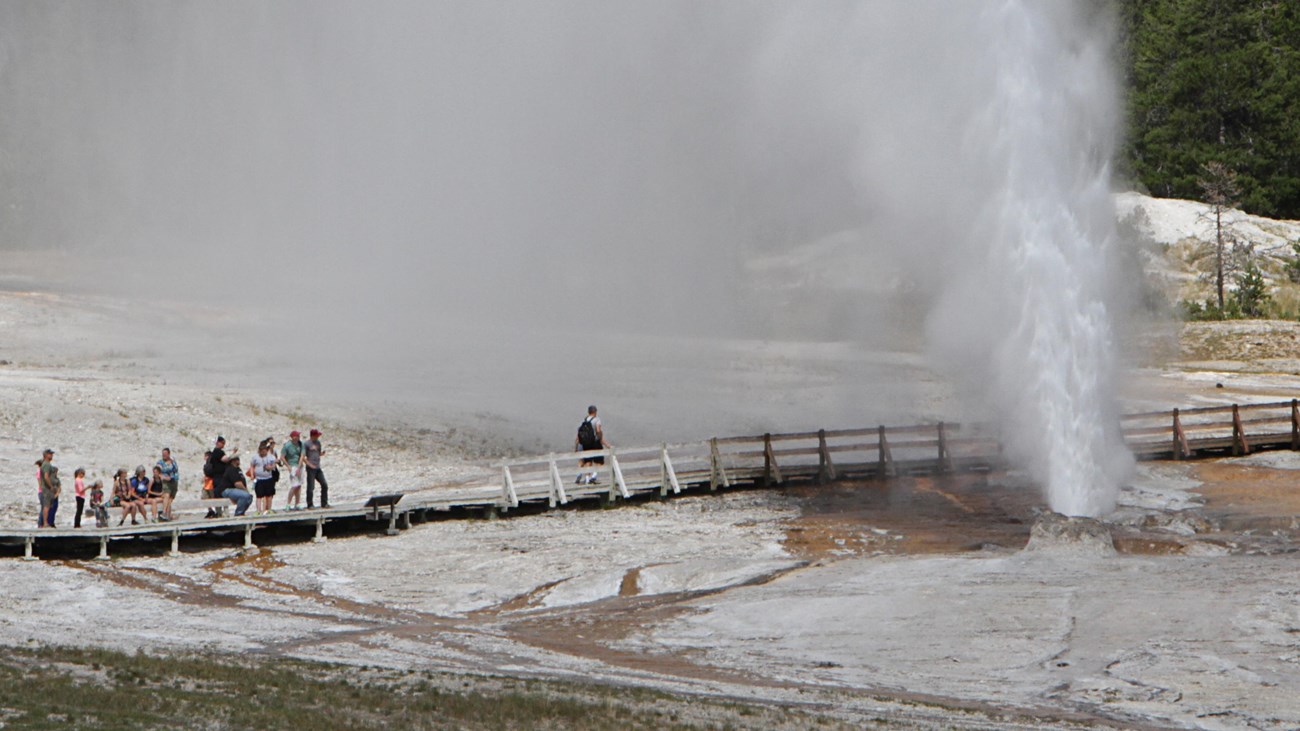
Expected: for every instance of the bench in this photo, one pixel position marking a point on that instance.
(218, 504)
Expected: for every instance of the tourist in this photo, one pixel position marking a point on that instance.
(230, 485)
(218, 454)
(47, 493)
(40, 492)
(79, 490)
(207, 479)
(291, 458)
(261, 465)
(157, 494)
(591, 435)
(215, 466)
(97, 504)
(140, 488)
(124, 497)
(171, 475)
(311, 454)
(54, 487)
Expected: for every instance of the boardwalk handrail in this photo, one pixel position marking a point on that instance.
(721, 462)
(767, 459)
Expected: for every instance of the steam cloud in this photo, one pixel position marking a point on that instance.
(411, 174)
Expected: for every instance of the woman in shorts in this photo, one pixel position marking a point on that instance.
(262, 467)
(124, 497)
(156, 497)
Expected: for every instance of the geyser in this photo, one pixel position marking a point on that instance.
(1032, 274)
(987, 132)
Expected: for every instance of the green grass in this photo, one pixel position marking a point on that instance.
(62, 687)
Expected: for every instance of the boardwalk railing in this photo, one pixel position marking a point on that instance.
(1232, 429)
(823, 455)
(766, 459)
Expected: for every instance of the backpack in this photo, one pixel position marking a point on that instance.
(587, 435)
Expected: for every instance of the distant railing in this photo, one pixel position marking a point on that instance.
(823, 455)
(766, 459)
(1238, 429)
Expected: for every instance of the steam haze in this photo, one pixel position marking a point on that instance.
(491, 193)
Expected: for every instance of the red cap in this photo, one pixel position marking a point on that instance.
(294, 433)
(315, 433)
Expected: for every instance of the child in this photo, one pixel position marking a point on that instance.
(79, 487)
(207, 482)
(97, 504)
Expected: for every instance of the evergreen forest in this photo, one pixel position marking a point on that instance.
(1214, 83)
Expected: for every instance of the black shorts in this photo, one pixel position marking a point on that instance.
(264, 488)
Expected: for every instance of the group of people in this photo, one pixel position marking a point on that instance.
(224, 478)
(145, 497)
(142, 496)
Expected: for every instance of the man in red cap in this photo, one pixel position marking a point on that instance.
(311, 455)
(291, 458)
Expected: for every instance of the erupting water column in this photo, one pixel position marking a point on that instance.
(1033, 268)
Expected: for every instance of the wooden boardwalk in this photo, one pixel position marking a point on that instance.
(666, 470)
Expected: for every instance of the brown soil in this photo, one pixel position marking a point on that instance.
(1248, 497)
(942, 514)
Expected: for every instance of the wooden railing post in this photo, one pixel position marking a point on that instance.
(670, 475)
(1180, 439)
(885, 456)
(616, 473)
(825, 467)
(770, 459)
(1295, 424)
(714, 466)
(508, 496)
(1239, 443)
(767, 459)
(558, 496)
(944, 459)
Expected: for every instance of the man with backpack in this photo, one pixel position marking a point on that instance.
(591, 435)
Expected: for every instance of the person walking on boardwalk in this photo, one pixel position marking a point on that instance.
(591, 435)
(171, 475)
(291, 458)
(311, 454)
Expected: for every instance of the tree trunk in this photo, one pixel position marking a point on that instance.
(1218, 253)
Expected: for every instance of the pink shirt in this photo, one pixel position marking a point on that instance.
(80, 487)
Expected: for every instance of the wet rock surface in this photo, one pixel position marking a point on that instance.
(1065, 534)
